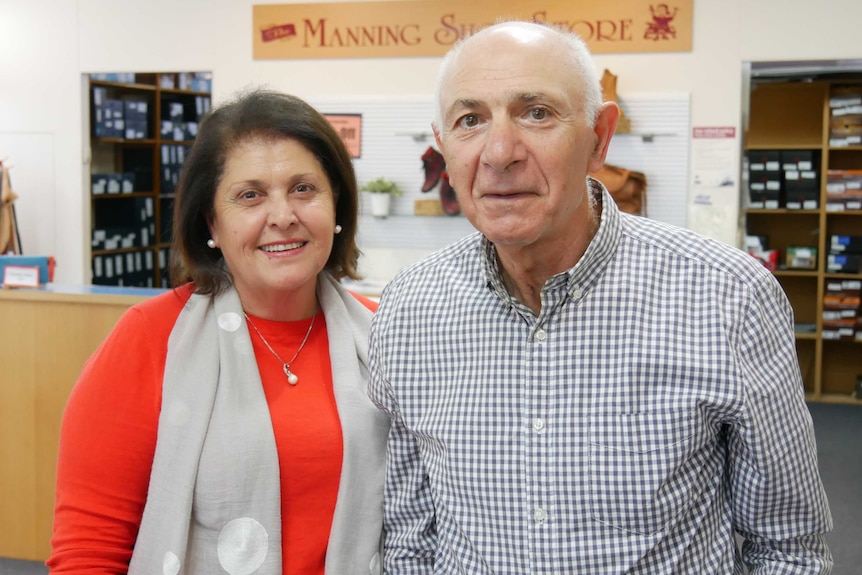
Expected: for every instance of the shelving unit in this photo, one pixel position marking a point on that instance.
(794, 114)
(141, 125)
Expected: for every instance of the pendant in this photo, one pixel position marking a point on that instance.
(292, 379)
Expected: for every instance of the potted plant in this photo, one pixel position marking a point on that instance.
(381, 191)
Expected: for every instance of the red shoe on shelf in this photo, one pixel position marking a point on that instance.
(434, 164)
(448, 199)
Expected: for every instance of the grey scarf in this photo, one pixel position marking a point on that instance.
(214, 500)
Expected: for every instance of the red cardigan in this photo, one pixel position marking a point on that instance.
(108, 439)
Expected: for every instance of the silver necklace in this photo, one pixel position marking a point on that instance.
(292, 378)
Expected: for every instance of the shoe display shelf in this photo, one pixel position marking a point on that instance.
(141, 126)
(790, 118)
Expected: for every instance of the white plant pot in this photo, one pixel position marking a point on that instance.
(380, 204)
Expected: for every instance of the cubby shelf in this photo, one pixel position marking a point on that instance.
(139, 132)
(793, 115)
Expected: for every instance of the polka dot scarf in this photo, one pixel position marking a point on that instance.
(213, 505)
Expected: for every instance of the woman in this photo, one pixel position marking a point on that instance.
(224, 427)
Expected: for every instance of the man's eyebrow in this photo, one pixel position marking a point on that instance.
(467, 103)
(531, 97)
(471, 104)
(527, 96)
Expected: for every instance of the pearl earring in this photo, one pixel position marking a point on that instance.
(338, 228)
(211, 243)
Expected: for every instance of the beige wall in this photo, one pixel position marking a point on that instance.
(45, 45)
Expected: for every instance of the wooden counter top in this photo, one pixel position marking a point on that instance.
(89, 294)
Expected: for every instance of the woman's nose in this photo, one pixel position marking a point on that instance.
(281, 212)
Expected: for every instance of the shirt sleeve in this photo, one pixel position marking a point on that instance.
(410, 534)
(107, 442)
(780, 506)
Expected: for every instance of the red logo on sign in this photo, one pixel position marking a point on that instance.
(660, 28)
(278, 32)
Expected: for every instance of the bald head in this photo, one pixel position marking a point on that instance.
(568, 51)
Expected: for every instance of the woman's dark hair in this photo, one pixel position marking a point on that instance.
(256, 114)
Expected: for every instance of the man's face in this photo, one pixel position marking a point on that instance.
(516, 142)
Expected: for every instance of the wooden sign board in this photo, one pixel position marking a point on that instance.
(429, 28)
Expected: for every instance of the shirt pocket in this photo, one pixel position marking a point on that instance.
(640, 474)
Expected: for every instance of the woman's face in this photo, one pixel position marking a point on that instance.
(274, 221)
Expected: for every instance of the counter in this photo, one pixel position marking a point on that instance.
(47, 335)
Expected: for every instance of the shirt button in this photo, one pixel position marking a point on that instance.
(540, 515)
(538, 424)
(577, 293)
(541, 335)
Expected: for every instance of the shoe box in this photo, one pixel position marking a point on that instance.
(787, 179)
(842, 318)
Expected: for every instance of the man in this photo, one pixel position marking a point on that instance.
(573, 389)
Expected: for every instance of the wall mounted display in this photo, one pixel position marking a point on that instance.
(396, 137)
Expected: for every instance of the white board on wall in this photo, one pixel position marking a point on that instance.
(659, 147)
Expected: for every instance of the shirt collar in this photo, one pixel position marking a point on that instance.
(585, 273)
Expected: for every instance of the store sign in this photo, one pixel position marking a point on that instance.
(430, 28)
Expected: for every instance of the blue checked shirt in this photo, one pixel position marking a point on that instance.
(651, 410)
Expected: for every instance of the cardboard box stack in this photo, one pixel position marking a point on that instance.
(129, 223)
(845, 254)
(784, 179)
(801, 176)
(124, 269)
(180, 121)
(845, 116)
(124, 223)
(841, 310)
(758, 247)
(800, 258)
(113, 183)
(114, 118)
(843, 190)
(173, 156)
(764, 179)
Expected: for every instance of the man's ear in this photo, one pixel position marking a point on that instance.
(437, 137)
(606, 123)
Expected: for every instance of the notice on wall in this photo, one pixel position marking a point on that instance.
(431, 27)
(349, 127)
(714, 194)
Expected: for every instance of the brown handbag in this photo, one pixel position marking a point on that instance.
(627, 188)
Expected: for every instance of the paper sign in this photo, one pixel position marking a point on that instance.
(21, 276)
(714, 202)
(349, 127)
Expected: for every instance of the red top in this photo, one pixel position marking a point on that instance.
(108, 439)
